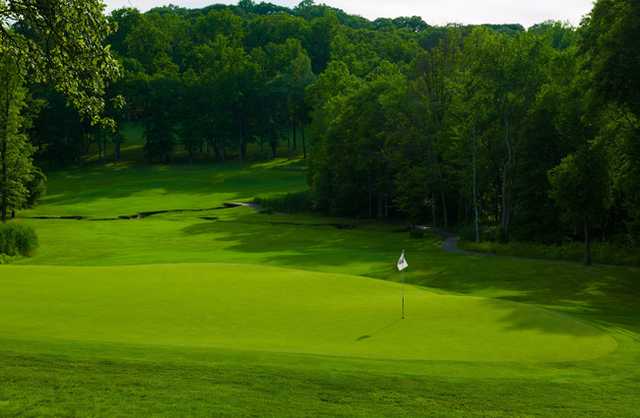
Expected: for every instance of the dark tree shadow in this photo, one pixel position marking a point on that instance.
(606, 295)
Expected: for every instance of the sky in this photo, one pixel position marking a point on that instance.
(434, 12)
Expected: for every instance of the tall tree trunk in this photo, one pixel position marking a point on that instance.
(588, 260)
(4, 203)
(506, 182)
(370, 190)
(295, 134)
(289, 143)
(386, 206)
(476, 211)
(5, 173)
(214, 147)
(116, 151)
(242, 149)
(445, 210)
(304, 143)
(434, 212)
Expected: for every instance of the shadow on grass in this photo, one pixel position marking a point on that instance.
(201, 181)
(379, 331)
(606, 295)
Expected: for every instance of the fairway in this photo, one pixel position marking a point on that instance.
(282, 310)
(269, 314)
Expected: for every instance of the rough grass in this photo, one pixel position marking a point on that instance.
(139, 341)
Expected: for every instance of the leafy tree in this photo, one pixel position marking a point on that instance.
(160, 119)
(16, 167)
(580, 187)
(610, 38)
(62, 43)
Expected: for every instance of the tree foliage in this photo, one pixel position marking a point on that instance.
(496, 127)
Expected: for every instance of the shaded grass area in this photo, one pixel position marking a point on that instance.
(123, 189)
(602, 253)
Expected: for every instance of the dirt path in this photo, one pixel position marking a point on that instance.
(450, 242)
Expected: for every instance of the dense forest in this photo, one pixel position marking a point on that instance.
(511, 133)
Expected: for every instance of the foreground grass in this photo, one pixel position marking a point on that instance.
(73, 379)
(160, 340)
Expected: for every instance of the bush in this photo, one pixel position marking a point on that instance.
(5, 259)
(487, 233)
(16, 239)
(603, 253)
(289, 203)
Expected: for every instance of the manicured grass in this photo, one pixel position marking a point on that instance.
(124, 189)
(282, 310)
(235, 313)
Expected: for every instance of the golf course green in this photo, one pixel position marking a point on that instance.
(198, 309)
(293, 311)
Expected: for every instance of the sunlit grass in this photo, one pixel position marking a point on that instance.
(182, 314)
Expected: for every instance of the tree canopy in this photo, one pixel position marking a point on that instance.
(494, 127)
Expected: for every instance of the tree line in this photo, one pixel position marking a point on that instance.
(528, 135)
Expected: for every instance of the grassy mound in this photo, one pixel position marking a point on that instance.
(281, 310)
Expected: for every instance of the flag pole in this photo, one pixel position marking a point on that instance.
(402, 275)
(402, 266)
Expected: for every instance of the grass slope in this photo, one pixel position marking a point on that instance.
(124, 189)
(131, 335)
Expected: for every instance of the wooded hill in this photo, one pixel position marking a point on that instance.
(521, 134)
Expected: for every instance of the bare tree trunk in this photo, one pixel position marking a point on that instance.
(445, 210)
(242, 149)
(5, 173)
(506, 182)
(588, 260)
(5, 139)
(274, 148)
(386, 206)
(476, 211)
(116, 152)
(295, 134)
(434, 213)
(304, 143)
(370, 190)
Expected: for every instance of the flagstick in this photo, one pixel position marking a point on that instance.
(402, 266)
(402, 275)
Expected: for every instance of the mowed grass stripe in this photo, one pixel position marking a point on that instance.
(282, 310)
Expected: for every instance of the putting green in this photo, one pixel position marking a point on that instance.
(272, 309)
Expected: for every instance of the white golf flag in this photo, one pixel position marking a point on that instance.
(402, 263)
